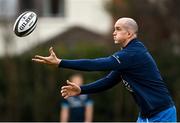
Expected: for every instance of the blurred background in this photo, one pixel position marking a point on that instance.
(80, 29)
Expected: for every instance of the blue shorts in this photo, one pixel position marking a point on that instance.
(168, 115)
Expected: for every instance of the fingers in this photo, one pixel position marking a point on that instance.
(64, 92)
(38, 60)
(51, 51)
(65, 95)
(40, 57)
(70, 83)
(66, 88)
(69, 90)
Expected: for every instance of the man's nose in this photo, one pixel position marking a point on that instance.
(114, 33)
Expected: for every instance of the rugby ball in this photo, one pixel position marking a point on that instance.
(25, 23)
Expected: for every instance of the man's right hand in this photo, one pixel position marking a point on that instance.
(51, 59)
(71, 89)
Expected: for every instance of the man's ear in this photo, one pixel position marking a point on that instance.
(130, 34)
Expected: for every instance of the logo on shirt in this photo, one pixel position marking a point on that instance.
(77, 101)
(127, 85)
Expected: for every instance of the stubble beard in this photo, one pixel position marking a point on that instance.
(118, 43)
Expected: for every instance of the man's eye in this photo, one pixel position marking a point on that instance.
(118, 29)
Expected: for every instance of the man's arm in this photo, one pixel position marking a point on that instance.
(118, 61)
(100, 64)
(100, 85)
(103, 84)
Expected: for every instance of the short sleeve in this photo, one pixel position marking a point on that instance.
(89, 102)
(64, 104)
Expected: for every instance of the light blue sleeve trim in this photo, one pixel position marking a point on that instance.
(64, 105)
(116, 59)
(90, 102)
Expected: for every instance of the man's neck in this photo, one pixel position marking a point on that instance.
(129, 40)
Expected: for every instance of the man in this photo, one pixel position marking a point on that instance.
(77, 108)
(133, 64)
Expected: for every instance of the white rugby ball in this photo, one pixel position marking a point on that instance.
(25, 23)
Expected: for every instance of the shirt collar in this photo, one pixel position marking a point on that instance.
(132, 41)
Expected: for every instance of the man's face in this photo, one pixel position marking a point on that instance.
(120, 33)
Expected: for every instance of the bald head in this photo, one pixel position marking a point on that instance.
(129, 24)
(125, 30)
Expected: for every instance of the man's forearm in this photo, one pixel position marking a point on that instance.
(102, 84)
(100, 64)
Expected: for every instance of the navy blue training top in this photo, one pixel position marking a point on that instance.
(138, 71)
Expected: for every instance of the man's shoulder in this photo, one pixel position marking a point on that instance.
(131, 52)
(136, 47)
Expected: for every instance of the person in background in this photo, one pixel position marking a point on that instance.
(77, 108)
